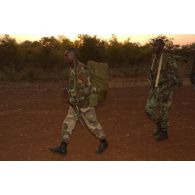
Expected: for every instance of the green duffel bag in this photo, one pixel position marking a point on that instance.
(99, 78)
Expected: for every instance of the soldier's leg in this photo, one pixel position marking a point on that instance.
(151, 107)
(165, 105)
(90, 118)
(67, 128)
(68, 125)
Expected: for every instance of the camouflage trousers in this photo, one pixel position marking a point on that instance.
(158, 105)
(90, 119)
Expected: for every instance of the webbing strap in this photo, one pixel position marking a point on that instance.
(159, 71)
(153, 62)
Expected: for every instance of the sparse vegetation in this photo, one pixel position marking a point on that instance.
(43, 59)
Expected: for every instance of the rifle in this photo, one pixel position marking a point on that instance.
(75, 104)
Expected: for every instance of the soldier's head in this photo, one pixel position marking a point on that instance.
(70, 55)
(158, 46)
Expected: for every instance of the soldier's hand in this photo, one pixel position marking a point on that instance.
(74, 100)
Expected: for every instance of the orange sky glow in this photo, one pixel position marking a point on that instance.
(181, 39)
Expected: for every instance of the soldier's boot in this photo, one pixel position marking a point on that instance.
(162, 135)
(157, 130)
(62, 149)
(102, 147)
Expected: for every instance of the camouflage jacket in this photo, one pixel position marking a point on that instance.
(169, 74)
(79, 86)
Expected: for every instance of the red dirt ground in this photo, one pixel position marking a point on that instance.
(31, 118)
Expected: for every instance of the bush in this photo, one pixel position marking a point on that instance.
(43, 59)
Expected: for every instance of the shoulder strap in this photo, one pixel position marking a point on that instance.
(159, 71)
(75, 77)
(153, 62)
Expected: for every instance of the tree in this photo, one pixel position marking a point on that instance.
(115, 50)
(91, 48)
(65, 42)
(8, 52)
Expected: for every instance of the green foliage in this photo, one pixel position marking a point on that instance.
(91, 47)
(43, 59)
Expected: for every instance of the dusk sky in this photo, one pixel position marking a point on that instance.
(33, 19)
(142, 38)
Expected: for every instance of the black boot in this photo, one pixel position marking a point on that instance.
(62, 149)
(162, 135)
(102, 147)
(157, 130)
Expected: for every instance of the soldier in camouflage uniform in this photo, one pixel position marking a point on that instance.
(79, 90)
(164, 80)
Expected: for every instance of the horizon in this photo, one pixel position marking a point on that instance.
(180, 39)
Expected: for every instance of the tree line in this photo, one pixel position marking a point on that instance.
(35, 59)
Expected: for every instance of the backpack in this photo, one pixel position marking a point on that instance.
(99, 78)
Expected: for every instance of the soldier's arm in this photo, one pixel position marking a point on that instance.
(84, 82)
(175, 76)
